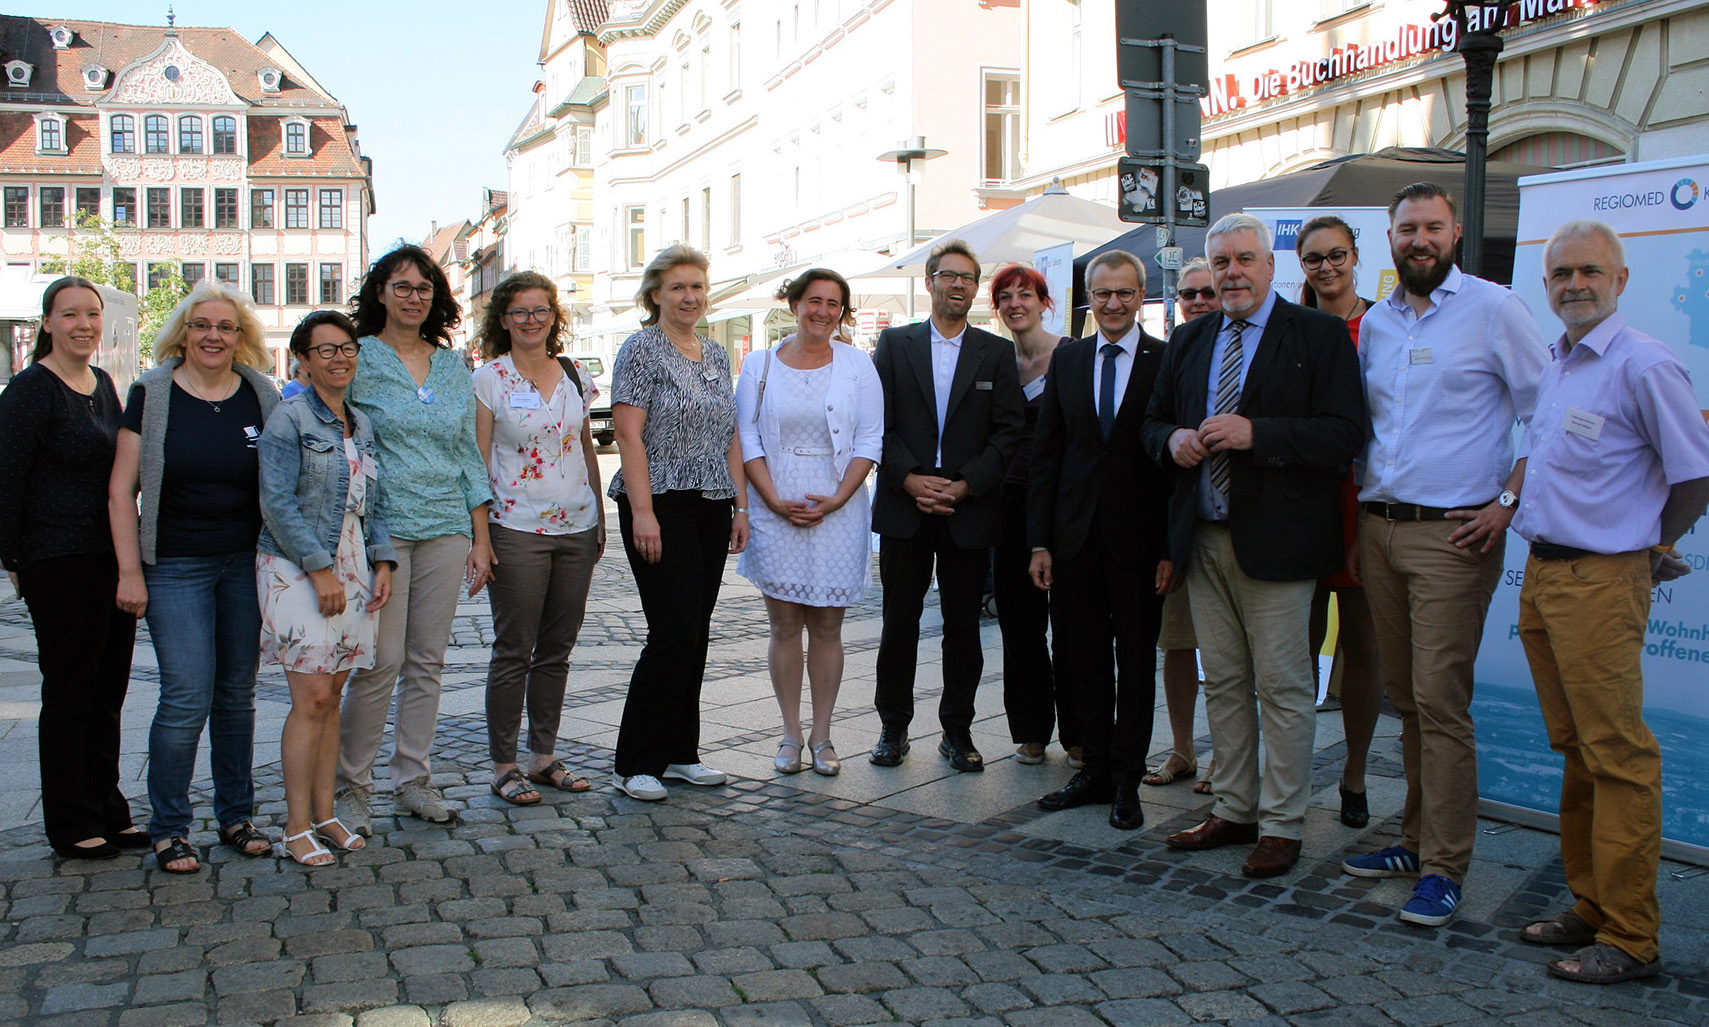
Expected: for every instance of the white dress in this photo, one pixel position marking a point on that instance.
(829, 564)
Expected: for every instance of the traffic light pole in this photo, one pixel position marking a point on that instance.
(1171, 94)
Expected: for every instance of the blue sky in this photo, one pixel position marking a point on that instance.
(434, 88)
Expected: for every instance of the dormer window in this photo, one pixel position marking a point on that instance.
(61, 35)
(50, 134)
(95, 78)
(269, 79)
(123, 133)
(18, 73)
(296, 137)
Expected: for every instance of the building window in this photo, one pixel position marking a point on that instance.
(17, 206)
(159, 212)
(225, 134)
(157, 275)
(51, 135)
(225, 208)
(154, 133)
(1002, 128)
(124, 276)
(332, 208)
(636, 219)
(736, 210)
(735, 56)
(583, 258)
(635, 123)
(189, 134)
(332, 283)
(190, 208)
(296, 138)
(52, 199)
(226, 273)
(706, 218)
(296, 208)
(1327, 9)
(260, 208)
(682, 237)
(124, 207)
(584, 146)
(296, 284)
(192, 273)
(1250, 22)
(261, 283)
(123, 133)
(89, 201)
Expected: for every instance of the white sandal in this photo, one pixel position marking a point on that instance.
(352, 841)
(318, 850)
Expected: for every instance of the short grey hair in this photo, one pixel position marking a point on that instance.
(1196, 264)
(654, 277)
(1116, 258)
(1229, 224)
(1578, 228)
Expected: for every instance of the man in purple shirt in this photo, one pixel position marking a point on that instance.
(1615, 468)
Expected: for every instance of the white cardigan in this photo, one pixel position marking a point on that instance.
(854, 408)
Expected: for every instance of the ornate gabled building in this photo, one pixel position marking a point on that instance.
(209, 154)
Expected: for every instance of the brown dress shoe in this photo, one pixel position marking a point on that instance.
(1273, 857)
(1214, 833)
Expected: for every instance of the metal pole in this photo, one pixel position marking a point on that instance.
(1171, 183)
(1480, 50)
(908, 171)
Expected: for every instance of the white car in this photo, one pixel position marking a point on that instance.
(599, 418)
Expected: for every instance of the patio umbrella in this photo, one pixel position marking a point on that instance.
(1014, 234)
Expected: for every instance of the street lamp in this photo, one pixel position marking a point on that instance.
(904, 156)
(1480, 49)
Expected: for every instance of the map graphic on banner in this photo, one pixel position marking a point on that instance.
(1662, 215)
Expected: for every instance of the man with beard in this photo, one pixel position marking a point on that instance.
(1616, 469)
(953, 416)
(1258, 411)
(1449, 362)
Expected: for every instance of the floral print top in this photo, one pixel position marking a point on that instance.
(538, 472)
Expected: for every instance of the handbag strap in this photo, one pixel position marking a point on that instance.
(765, 372)
(569, 367)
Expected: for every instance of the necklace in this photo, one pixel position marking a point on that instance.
(196, 392)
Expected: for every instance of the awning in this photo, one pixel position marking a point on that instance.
(626, 323)
(731, 313)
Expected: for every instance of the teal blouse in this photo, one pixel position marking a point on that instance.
(431, 471)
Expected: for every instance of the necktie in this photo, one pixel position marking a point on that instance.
(1227, 398)
(1107, 389)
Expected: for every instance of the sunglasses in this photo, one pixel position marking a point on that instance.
(1190, 295)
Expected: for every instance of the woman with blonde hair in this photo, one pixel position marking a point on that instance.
(681, 507)
(187, 442)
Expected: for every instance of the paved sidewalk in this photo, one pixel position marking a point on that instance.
(911, 895)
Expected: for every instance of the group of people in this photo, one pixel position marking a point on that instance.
(1120, 493)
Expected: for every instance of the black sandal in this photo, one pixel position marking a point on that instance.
(243, 835)
(176, 850)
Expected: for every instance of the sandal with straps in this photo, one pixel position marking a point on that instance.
(1567, 928)
(512, 788)
(556, 775)
(312, 854)
(349, 843)
(177, 850)
(1162, 775)
(242, 835)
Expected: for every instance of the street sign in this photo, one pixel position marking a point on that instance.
(1142, 184)
(1169, 258)
(1162, 64)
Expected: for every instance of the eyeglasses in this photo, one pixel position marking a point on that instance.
(1207, 293)
(951, 277)
(328, 350)
(402, 290)
(520, 316)
(225, 328)
(1313, 261)
(1102, 296)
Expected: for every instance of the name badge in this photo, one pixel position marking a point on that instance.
(1420, 355)
(1584, 423)
(371, 468)
(1033, 389)
(253, 434)
(525, 401)
(982, 386)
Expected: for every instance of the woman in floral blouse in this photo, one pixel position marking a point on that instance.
(548, 525)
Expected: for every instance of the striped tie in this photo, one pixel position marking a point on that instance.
(1227, 398)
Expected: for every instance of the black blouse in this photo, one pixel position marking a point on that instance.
(56, 454)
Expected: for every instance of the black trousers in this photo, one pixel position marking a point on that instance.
(661, 718)
(905, 570)
(1038, 692)
(1109, 616)
(83, 646)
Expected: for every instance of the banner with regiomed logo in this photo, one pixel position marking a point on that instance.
(1662, 215)
(1376, 274)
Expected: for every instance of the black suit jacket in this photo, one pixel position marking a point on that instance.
(981, 430)
(1306, 400)
(1076, 477)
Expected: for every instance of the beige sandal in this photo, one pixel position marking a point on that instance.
(1162, 775)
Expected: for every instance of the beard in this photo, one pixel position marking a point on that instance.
(1423, 281)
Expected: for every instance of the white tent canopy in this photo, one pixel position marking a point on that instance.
(1014, 235)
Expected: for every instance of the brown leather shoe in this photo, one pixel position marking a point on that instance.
(1273, 857)
(1214, 833)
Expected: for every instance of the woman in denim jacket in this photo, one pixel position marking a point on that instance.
(323, 567)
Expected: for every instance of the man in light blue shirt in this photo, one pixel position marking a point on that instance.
(1615, 467)
(1449, 362)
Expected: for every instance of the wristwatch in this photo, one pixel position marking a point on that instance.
(1508, 499)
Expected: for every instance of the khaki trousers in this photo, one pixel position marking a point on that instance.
(1428, 599)
(1252, 641)
(1582, 624)
(409, 658)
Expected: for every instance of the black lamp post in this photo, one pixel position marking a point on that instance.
(1480, 49)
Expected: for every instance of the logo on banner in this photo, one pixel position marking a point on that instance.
(1287, 232)
(1686, 187)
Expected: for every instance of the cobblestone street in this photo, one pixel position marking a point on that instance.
(913, 895)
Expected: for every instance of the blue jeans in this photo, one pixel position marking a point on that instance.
(205, 619)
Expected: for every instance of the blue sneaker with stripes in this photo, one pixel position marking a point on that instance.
(1433, 901)
(1393, 861)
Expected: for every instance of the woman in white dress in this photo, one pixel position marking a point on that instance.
(811, 417)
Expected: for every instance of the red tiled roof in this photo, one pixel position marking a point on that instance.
(589, 14)
(18, 154)
(439, 244)
(329, 147)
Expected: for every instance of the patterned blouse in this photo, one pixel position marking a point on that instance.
(433, 474)
(691, 413)
(539, 473)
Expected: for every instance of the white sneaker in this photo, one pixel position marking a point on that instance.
(352, 808)
(645, 787)
(696, 774)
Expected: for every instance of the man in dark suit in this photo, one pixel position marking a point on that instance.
(953, 415)
(1097, 508)
(1261, 408)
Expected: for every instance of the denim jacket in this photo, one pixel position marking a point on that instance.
(304, 480)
